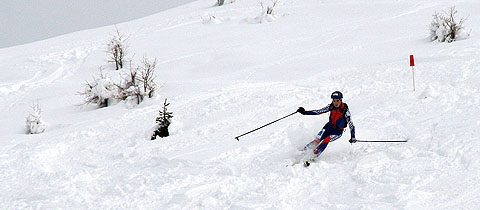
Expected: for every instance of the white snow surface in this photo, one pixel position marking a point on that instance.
(227, 78)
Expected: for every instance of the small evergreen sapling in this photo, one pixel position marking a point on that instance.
(163, 121)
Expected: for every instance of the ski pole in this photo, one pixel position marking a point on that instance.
(382, 141)
(263, 126)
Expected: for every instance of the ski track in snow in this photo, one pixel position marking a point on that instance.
(48, 69)
(101, 159)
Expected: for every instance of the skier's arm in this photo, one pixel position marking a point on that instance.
(348, 117)
(319, 111)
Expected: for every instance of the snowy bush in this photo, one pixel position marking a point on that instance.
(435, 26)
(163, 121)
(146, 79)
(135, 86)
(268, 13)
(446, 28)
(139, 83)
(222, 2)
(101, 91)
(211, 19)
(269, 9)
(117, 49)
(128, 88)
(35, 124)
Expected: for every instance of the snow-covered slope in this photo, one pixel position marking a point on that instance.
(228, 76)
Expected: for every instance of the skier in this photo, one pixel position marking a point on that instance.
(338, 120)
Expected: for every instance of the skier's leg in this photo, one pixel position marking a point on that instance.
(321, 147)
(315, 142)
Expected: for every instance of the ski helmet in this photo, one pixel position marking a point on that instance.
(337, 95)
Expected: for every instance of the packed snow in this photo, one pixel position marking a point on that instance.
(225, 74)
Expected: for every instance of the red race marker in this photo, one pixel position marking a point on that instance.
(412, 64)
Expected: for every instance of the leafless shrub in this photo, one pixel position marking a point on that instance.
(147, 70)
(101, 91)
(139, 83)
(434, 26)
(446, 28)
(223, 2)
(135, 85)
(267, 14)
(117, 49)
(269, 9)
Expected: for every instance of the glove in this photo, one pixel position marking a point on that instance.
(352, 140)
(301, 110)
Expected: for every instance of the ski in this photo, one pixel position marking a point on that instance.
(294, 163)
(306, 159)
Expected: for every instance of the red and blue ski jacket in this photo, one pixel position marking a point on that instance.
(339, 117)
